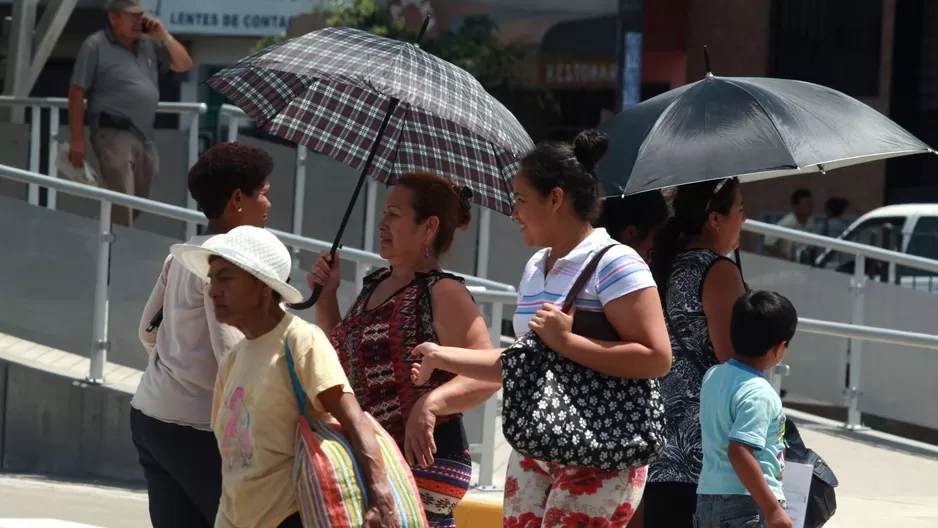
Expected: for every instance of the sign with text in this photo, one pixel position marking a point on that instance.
(235, 18)
(578, 72)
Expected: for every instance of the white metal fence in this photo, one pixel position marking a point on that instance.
(494, 294)
(487, 292)
(497, 298)
(36, 105)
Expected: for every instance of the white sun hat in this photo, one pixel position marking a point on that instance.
(253, 249)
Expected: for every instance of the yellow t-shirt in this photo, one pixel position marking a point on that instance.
(255, 414)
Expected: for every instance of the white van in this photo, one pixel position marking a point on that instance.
(907, 228)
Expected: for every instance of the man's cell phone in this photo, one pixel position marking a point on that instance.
(145, 25)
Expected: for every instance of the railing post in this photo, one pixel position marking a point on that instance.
(35, 144)
(490, 411)
(855, 354)
(299, 198)
(368, 244)
(776, 374)
(233, 124)
(191, 227)
(51, 195)
(483, 242)
(100, 344)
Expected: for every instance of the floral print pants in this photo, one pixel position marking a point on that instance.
(540, 494)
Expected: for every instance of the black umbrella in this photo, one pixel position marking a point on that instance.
(750, 128)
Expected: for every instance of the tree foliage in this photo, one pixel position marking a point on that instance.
(473, 45)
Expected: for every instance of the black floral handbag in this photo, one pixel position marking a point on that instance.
(556, 410)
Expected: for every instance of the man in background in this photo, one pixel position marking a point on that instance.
(802, 209)
(117, 69)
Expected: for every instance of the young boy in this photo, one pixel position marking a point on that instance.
(742, 421)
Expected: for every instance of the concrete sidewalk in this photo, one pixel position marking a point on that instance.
(884, 482)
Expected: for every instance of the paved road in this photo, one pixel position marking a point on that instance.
(884, 482)
(23, 498)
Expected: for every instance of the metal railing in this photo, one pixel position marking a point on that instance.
(37, 104)
(481, 288)
(856, 331)
(495, 294)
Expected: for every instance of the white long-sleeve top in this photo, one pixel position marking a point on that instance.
(179, 380)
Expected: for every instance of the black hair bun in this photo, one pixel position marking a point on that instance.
(589, 147)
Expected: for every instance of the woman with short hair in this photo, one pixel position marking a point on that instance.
(170, 416)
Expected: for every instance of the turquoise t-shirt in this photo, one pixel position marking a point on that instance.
(738, 403)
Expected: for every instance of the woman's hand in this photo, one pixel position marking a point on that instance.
(325, 275)
(552, 325)
(419, 445)
(430, 352)
(381, 514)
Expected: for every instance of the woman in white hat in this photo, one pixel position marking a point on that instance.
(255, 411)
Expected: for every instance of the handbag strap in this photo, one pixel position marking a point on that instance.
(584, 276)
(297, 386)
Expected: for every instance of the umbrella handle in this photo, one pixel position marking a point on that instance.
(317, 290)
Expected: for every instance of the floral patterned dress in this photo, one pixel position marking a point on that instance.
(374, 347)
(543, 494)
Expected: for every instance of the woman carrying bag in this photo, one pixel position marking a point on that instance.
(581, 406)
(256, 411)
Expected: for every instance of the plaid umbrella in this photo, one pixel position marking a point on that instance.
(352, 94)
(382, 106)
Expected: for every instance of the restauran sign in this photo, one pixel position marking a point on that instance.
(253, 18)
(579, 72)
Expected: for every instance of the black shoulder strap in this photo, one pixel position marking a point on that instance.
(584, 276)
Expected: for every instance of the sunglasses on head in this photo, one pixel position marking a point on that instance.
(716, 190)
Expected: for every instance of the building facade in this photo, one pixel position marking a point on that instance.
(846, 45)
(849, 45)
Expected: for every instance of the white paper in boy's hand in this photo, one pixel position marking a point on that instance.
(796, 482)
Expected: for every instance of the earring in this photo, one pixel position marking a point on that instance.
(239, 209)
(426, 251)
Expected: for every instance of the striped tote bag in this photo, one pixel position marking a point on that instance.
(330, 483)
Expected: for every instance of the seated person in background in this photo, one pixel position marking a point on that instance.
(799, 219)
(742, 422)
(833, 223)
(634, 220)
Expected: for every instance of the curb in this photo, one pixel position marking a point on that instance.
(475, 512)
